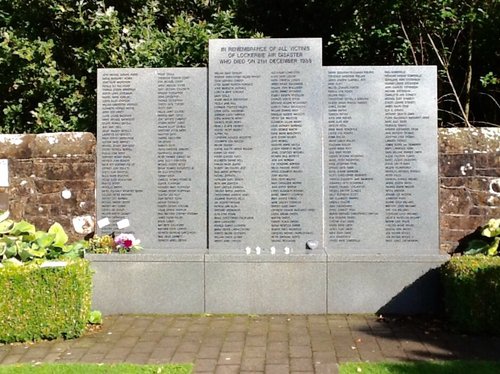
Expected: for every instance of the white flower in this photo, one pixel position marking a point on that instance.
(110, 11)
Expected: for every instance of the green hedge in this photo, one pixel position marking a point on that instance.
(472, 293)
(44, 303)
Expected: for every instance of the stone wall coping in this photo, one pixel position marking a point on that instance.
(469, 140)
(48, 145)
(73, 144)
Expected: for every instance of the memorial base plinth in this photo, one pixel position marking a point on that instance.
(309, 282)
(148, 282)
(266, 284)
(391, 284)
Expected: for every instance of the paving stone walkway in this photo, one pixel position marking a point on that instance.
(258, 344)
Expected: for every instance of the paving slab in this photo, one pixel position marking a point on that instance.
(258, 344)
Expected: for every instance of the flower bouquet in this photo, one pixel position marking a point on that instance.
(122, 243)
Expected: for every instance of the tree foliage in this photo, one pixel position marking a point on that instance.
(460, 37)
(50, 50)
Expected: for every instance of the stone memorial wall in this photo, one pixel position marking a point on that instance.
(265, 184)
(152, 155)
(299, 156)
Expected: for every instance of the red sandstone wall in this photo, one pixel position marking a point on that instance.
(469, 169)
(51, 179)
(43, 168)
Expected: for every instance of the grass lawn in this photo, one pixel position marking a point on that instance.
(95, 368)
(439, 367)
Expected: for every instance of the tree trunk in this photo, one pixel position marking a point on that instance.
(468, 76)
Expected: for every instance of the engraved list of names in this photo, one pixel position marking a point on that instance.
(264, 143)
(380, 159)
(152, 154)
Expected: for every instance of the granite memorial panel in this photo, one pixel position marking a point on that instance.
(265, 143)
(380, 152)
(151, 167)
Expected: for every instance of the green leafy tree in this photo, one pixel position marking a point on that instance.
(50, 49)
(458, 36)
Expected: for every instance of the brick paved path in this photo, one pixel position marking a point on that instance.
(257, 344)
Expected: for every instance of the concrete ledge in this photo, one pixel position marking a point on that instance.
(384, 284)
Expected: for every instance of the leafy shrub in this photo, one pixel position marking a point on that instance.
(488, 240)
(21, 242)
(44, 302)
(95, 317)
(472, 293)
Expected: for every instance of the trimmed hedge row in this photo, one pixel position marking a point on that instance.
(472, 293)
(44, 303)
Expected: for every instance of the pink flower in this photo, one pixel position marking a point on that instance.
(126, 241)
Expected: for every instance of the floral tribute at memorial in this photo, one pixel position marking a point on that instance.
(21, 242)
(112, 242)
(121, 243)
